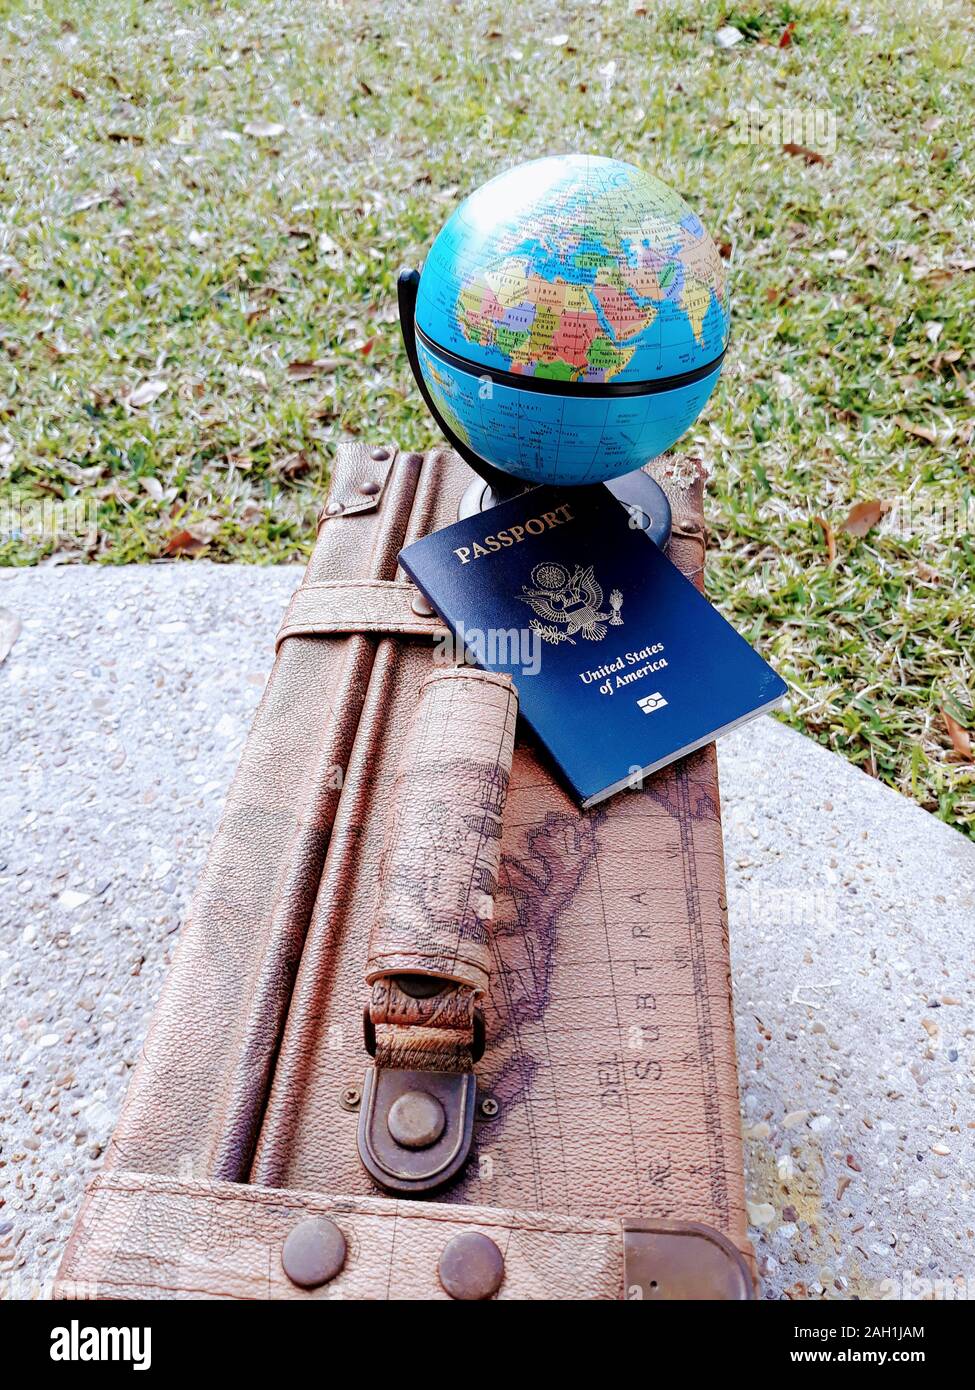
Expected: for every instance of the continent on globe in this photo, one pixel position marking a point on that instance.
(571, 319)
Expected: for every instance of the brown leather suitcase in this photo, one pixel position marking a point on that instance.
(556, 1116)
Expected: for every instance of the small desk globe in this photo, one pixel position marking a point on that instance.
(570, 321)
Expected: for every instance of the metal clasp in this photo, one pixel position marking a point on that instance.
(416, 1127)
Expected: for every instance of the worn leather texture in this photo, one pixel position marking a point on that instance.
(357, 605)
(610, 1046)
(156, 1237)
(439, 870)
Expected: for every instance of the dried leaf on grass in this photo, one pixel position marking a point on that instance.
(961, 739)
(146, 393)
(319, 366)
(191, 540)
(802, 152)
(924, 432)
(830, 539)
(863, 517)
(294, 466)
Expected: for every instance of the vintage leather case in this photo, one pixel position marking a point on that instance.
(607, 1162)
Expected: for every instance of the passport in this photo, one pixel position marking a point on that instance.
(621, 665)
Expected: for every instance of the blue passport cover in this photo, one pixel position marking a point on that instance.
(621, 664)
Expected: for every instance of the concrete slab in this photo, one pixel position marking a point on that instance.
(123, 705)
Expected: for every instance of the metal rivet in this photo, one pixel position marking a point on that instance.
(489, 1107)
(369, 489)
(471, 1267)
(351, 1098)
(416, 1120)
(380, 455)
(334, 508)
(313, 1253)
(421, 607)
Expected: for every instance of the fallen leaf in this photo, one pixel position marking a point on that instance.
(810, 156)
(725, 248)
(302, 371)
(329, 250)
(842, 1184)
(827, 531)
(263, 130)
(294, 466)
(785, 38)
(863, 517)
(78, 93)
(92, 201)
(961, 740)
(949, 357)
(932, 330)
(148, 392)
(185, 543)
(153, 487)
(121, 137)
(9, 632)
(556, 40)
(254, 374)
(924, 432)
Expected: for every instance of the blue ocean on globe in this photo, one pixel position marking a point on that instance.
(572, 318)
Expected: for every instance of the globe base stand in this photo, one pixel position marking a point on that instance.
(644, 499)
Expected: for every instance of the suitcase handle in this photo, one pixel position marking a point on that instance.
(429, 952)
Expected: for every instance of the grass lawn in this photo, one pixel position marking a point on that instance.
(194, 198)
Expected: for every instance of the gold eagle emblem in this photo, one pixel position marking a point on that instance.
(571, 603)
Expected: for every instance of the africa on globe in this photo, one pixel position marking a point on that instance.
(571, 320)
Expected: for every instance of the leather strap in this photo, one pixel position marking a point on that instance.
(439, 870)
(144, 1235)
(380, 606)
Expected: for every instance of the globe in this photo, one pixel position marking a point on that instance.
(571, 320)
